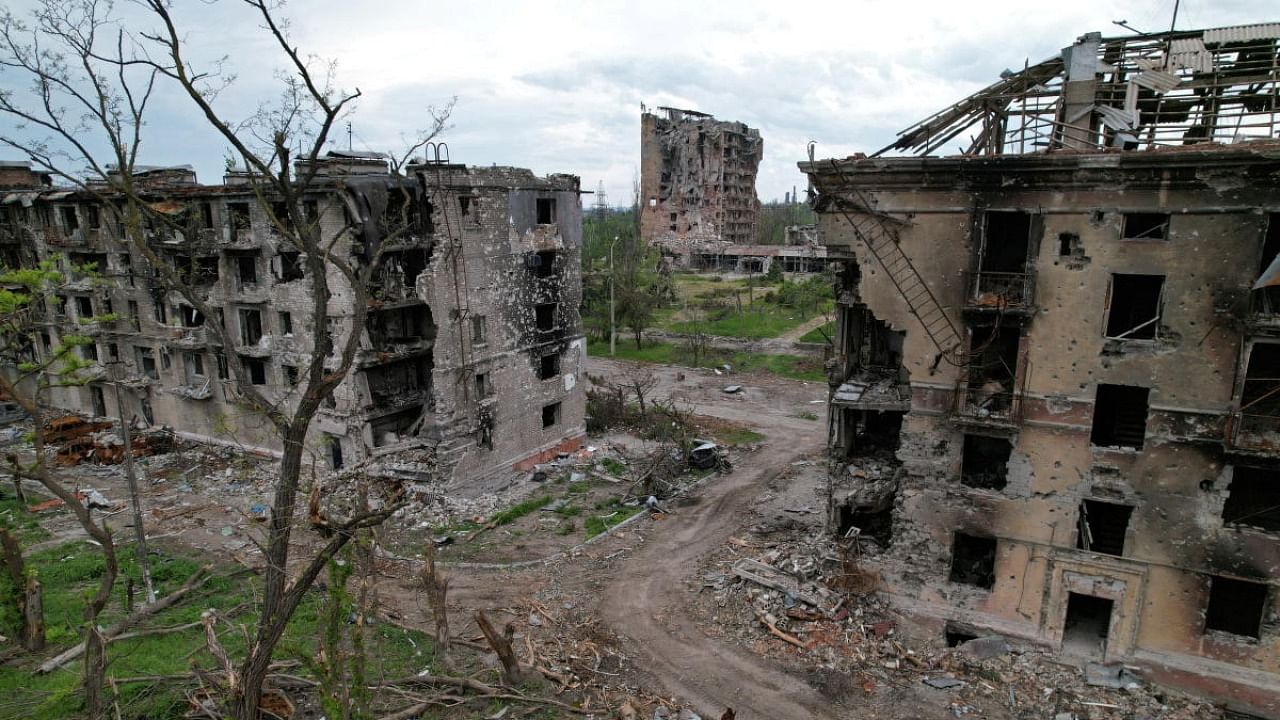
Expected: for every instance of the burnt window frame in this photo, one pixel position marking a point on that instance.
(243, 316)
(1228, 620)
(1096, 507)
(1127, 335)
(959, 538)
(551, 415)
(1107, 395)
(549, 366)
(1147, 229)
(547, 312)
(1249, 487)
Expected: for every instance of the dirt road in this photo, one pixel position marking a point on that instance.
(642, 600)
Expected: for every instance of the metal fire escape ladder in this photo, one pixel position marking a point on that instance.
(874, 230)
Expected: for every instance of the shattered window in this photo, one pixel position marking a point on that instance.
(1102, 527)
(1120, 416)
(1145, 226)
(549, 366)
(973, 560)
(479, 330)
(250, 327)
(1134, 312)
(484, 388)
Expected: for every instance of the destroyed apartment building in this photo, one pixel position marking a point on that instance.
(1055, 392)
(473, 345)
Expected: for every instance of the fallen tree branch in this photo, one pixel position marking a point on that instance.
(143, 613)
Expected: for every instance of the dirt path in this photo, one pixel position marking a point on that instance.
(794, 334)
(642, 600)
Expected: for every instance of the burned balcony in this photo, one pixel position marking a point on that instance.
(401, 383)
(987, 395)
(1008, 293)
(880, 389)
(400, 328)
(1254, 428)
(397, 276)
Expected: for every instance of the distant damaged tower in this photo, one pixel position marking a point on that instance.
(697, 179)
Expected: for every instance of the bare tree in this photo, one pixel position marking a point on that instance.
(91, 82)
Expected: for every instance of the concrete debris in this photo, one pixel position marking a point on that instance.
(732, 389)
(943, 683)
(985, 648)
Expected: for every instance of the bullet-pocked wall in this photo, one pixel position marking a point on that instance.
(1078, 470)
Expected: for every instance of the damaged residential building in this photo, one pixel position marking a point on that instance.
(1055, 392)
(473, 345)
(697, 181)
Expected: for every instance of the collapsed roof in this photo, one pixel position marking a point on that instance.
(1131, 93)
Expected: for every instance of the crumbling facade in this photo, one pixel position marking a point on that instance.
(1054, 405)
(472, 348)
(697, 180)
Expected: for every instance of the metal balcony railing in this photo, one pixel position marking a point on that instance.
(1253, 433)
(1000, 291)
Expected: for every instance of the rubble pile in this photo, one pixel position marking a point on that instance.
(812, 606)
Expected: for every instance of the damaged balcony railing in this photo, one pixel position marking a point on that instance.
(1000, 291)
(993, 403)
(1253, 432)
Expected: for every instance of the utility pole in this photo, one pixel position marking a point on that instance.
(140, 534)
(613, 327)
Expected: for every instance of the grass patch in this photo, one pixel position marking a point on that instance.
(14, 515)
(805, 415)
(613, 466)
(821, 334)
(653, 352)
(519, 510)
(788, 366)
(757, 322)
(69, 572)
(738, 436)
(597, 524)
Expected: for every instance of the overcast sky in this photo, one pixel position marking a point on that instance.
(557, 86)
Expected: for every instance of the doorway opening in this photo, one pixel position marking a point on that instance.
(1088, 622)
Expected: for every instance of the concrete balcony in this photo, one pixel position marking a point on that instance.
(1000, 293)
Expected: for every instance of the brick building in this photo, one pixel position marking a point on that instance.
(473, 345)
(697, 179)
(1054, 400)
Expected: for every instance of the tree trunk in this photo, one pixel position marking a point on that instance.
(33, 616)
(273, 619)
(501, 645)
(95, 670)
(437, 588)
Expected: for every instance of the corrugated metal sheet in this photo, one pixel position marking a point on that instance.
(1115, 118)
(1157, 80)
(1243, 33)
(1190, 53)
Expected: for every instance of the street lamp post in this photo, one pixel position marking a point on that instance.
(613, 327)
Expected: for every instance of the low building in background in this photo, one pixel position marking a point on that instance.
(473, 346)
(1055, 404)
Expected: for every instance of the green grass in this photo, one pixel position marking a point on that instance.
(14, 515)
(519, 510)
(596, 524)
(788, 366)
(69, 572)
(816, 335)
(613, 466)
(739, 436)
(760, 321)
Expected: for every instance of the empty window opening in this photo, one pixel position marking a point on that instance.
(1120, 416)
(479, 330)
(290, 374)
(1134, 312)
(1005, 242)
(280, 213)
(147, 362)
(256, 369)
(238, 219)
(194, 364)
(973, 560)
(84, 307)
(985, 462)
(871, 522)
(484, 386)
(549, 366)
(113, 351)
(159, 311)
(290, 266)
(546, 211)
(1102, 527)
(867, 342)
(224, 371)
(94, 216)
(250, 327)
(247, 268)
(1087, 624)
(89, 351)
(1146, 226)
(70, 221)
(206, 215)
(1260, 392)
(870, 433)
(286, 323)
(335, 451)
(545, 264)
(1253, 498)
(398, 426)
(550, 415)
(134, 321)
(1235, 606)
(99, 400)
(191, 317)
(464, 205)
(148, 415)
(958, 634)
(993, 370)
(545, 316)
